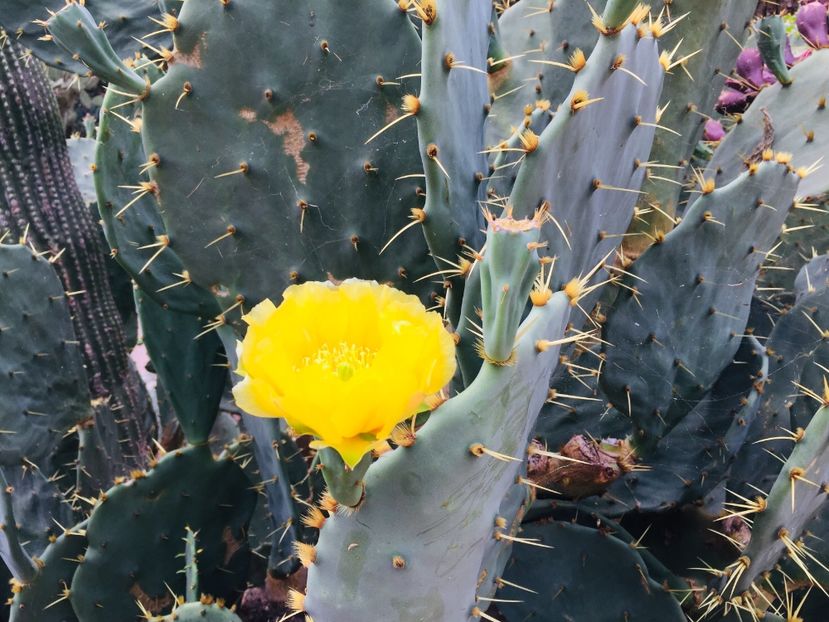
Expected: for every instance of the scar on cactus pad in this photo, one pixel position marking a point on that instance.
(344, 362)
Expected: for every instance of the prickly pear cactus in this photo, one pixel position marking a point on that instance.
(575, 429)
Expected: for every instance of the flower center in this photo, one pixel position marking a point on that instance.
(343, 359)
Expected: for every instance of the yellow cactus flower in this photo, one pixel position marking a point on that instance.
(344, 362)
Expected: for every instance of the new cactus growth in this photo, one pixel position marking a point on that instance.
(398, 227)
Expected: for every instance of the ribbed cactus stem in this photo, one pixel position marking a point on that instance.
(40, 199)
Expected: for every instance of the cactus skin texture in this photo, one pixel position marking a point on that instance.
(797, 350)
(450, 122)
(40, 196)
(596, 203)
(137, 235)
(187, 488)
(534, 34)
(676, 353)
(44, 391)
(192, 367)
(788, 507)
(44, 597)
(567, 592)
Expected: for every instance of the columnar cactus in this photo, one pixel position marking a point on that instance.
(40, 203)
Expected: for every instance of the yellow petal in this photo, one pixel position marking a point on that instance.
(344, 362)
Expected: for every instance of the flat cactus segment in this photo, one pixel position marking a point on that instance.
(126, 20)
(77, 31)
(534, 34)
(452, 109)
(191, 366)
(595, 577)
(787, 118)
(46, 597)
(797, 353)
(132, 221)
(267, 176)
(42, 378)
(805, 235)
(695, 457)
(585, 165)
(795, 498)
(675, 326)
(707, 41)
(44, 388)
(186, 489)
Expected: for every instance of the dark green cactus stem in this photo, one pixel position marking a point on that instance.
(132, 222)
(76, 31)
(187, 488)
(589, 562)
(11, 548)
(191, 366)
(676, 325)
(771, 41)
(39, 196)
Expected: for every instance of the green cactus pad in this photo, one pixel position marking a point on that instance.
(44, 388)
(192, 367)
(588, 575)
(310, 199)
(591, 190)
(46, 597)
(791, 119)
(42, 377)
(134, 234)
(126, 20)
(450, 124)
(710, 32)
(797, 349)
(435, 529)
(197, 612)
(544, 31)
(135, 533)
(794, 499)
(695, 457)
(675, 326)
